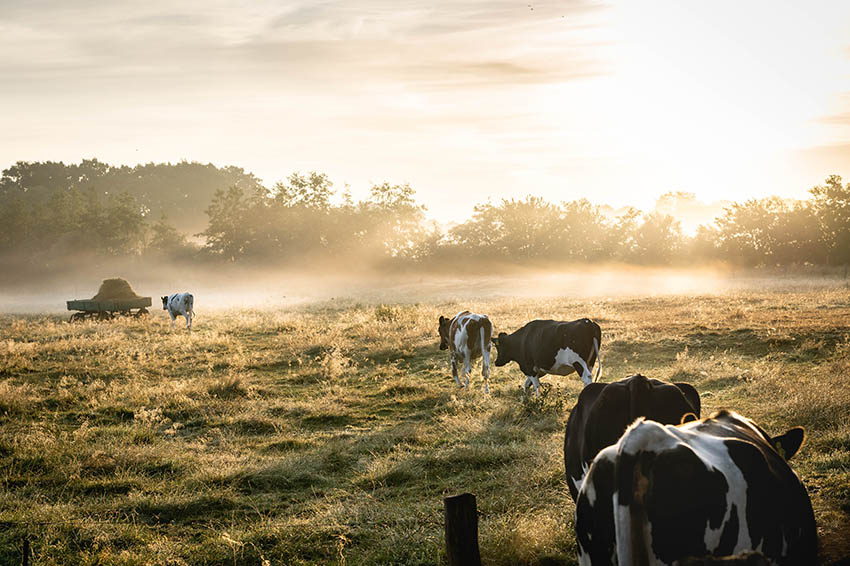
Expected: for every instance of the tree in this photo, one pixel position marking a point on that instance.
(831, 204)
(181, 190)
(230, 232)
(312, 191)
(747, 232)
(581, 231)
(657, 239)
(390, 220)
(166, 240)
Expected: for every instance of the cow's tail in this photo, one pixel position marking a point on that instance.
(632, 481)
(598, 359)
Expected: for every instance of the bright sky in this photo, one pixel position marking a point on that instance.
(466, 100)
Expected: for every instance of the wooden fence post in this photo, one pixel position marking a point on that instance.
(26, 558)
(462, 530)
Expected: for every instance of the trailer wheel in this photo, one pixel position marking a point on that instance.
(77, 317)
(141, 312)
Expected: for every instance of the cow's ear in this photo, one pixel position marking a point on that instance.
(442, 320)
(688, 417)
(789, 443)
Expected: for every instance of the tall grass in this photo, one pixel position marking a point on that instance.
(329, 433)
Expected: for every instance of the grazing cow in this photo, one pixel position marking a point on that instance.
(467, 336)
(714, 487)
(551, 346)
(604, 411)
(180, 303)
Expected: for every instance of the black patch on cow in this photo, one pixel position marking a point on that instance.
(729, 536)
(683, 495)
(595, 523)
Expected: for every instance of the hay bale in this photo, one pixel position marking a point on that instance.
(115, 289)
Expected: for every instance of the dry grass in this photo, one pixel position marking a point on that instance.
(328, 434)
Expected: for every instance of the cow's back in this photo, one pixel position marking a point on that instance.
(695, 490)
(604, 411)
(471, 331)
(542, 339)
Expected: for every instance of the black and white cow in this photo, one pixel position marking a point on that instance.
(180, 304)
(713, 487)
(551, 346)
(467, 337)
(604, 411)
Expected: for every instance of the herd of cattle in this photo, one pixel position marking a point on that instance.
(652, 482)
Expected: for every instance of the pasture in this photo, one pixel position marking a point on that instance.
(329, 432)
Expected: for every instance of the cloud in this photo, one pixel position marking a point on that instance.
(445, 45)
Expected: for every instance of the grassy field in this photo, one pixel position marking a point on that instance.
(329, 433)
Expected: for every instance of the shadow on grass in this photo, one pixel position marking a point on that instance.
(745, 342)
(200, 508)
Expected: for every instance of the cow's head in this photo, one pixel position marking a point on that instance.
(503, 353)
(445, 326)
(164, 303)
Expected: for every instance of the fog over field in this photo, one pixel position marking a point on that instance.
(228, 287)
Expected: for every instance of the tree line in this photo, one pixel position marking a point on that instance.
(196, 212)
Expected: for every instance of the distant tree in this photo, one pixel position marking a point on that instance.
(390, 219)
(166, 240)
(580, 231)
(313, 190)
(703, 247)
(619, 239)
(797, 236)
(657, 240)
(831, 205)
(513, 229)
(770, 231)
(231, 232)
(181, 190)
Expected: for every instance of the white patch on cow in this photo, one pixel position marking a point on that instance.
(590, 493)
(579, 481)
(564, 360)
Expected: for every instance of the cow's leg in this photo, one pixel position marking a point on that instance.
(171, 314)
(536, 382)
(583, 372)
(467, 368)
(454, 368)
(188, 321)
(485, 369)
(528, 382)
